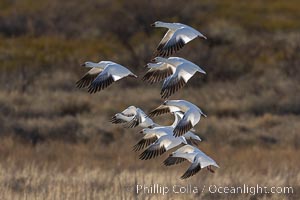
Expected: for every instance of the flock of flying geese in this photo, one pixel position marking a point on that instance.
(175, 73)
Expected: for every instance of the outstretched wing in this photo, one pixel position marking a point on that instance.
(183, 126)
(144, 142)
(193, 142)
(169, 34)
(179, 79)
(139, 118)
(116, 120)
(172, 85)
(175, 42)
(158, 73)
(173, 160)
(88, 78)
(159, 111)
(102, 81)
(136, 120)
(192, 170)
(153, 151)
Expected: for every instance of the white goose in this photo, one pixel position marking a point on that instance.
(163, 144)
(162, 69)
(181, 70)
(153, 134)
(192, 154)
(133, 116)
(124, 116)
(96, 69)
(110, 72)
(191, 117)
(176, 37)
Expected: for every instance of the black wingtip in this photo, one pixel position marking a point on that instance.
(113, 120)
(149, 154)
(191, 171)
(182, 128)
(177, 133)
(137, 147)
(173, 161)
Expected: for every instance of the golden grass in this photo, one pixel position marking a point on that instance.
(72, 171)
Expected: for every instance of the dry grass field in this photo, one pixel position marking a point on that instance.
(56, 141)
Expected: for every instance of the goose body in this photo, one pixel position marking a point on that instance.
(175, 72)
(133, 117)
(175, 38)
(195, 156)
(166, 67)
(102, 75)
(96, 69)
(191, 117)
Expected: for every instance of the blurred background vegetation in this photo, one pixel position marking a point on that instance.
(250, 93)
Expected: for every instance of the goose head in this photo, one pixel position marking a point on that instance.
(159, 59)
(88, 64)
(171, 103)
(145, 130)
(158, 24)
(170, 61)
(172, 26)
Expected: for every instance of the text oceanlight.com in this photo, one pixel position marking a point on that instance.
(213, 189)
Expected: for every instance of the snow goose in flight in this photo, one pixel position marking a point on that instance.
(176, 37)
(133, 117)
(124, 116)
(182, 71)
(191, 117)
(163, 144)
(96, 69)
(153, 134)
(161, 70)
(195, 156)
(110, 73)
